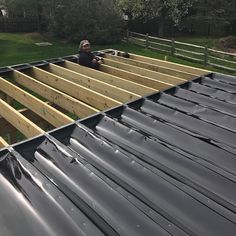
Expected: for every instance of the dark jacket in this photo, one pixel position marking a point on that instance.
(85, 59)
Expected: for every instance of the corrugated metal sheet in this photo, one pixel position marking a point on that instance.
(162, 165)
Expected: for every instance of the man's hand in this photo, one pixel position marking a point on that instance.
(97, 60)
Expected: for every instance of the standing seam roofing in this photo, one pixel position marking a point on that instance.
(161, 165)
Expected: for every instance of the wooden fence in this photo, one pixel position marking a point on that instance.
(191, 52)
(18, 24)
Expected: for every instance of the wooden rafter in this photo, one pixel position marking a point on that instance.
(149, 66)
(24, 125)
(55, 96)
(144, 72)
(144, 80)
(86, 95)
(8, 128)
(3, 143)
(171, 65)
(93, 84)
(110, 79)
(47, 112)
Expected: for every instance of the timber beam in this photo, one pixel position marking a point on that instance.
(144, 80)
(108, 90)
(149, 66)
(55, 96)
(110, 79)
(86, 95)
(3, 143)
(7, 128)
(41, 108)
(144, 72)
(25, 126)
(170, 65)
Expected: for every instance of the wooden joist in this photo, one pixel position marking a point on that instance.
(3, 143)
(25, 126)
(55, 96)
(82, 91)
(47, 112)
(8, 128)
(146, 81)
(144, 72)
(86, 95)
(171, 65)
(110, 79)
(149, 66)
(108, 90)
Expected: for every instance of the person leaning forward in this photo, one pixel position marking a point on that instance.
(86, 58)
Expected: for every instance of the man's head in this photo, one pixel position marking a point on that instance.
(84, 46)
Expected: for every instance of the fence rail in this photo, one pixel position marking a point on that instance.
(191, 52)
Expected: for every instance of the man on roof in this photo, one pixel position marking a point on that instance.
(86, 58)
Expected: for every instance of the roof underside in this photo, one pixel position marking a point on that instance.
(161, 165)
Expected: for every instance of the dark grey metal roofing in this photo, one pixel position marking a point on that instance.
(162, 165)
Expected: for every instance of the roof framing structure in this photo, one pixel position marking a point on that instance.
(55, 92)
(161, 163)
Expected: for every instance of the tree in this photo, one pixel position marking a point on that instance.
(158, 10)
(212, 16)
(22, 8)
(99, 21)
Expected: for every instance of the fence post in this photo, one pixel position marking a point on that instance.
(127, 35)
(172, 47)
(147, 40)
(205, 56)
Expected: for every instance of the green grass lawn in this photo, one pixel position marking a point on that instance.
(21, 48)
